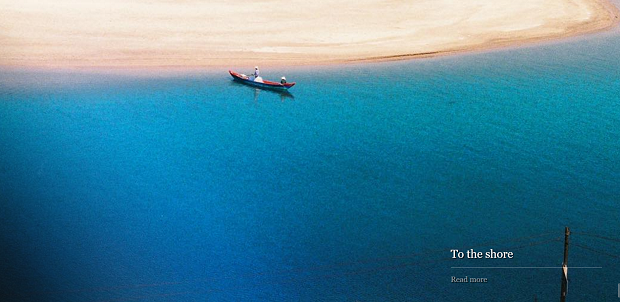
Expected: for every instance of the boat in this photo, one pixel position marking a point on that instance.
(264, 84)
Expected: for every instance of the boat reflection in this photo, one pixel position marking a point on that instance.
(284, 95)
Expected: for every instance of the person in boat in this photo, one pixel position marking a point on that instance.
(256, 75)
(256, 72)
(283, 80)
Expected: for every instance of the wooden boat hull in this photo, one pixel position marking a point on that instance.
(263, 85)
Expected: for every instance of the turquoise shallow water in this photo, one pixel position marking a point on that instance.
(352, 188)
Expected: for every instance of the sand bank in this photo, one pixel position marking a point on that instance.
(144, 33)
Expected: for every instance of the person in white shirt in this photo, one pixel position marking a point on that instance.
(256, 75)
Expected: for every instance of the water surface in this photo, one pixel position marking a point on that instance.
(354, 187)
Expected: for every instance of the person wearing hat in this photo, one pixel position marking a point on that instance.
(283, 80)
(256, 75)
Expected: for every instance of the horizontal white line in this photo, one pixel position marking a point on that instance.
(527, 267)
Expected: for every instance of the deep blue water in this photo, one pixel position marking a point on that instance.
(352, 188)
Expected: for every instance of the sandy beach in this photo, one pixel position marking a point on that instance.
(142, 33)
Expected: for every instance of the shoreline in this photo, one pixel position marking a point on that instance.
(578, 30)
(605, 17)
